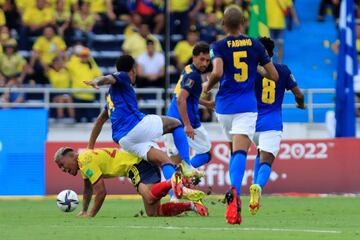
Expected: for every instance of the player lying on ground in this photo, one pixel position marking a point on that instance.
(134, 131)
(185, 107)
(100, 163)
(235, 63)
(270, 96)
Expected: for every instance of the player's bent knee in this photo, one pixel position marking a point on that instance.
(266, 157)
(170, 124)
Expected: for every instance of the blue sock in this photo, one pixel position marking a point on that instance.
(200, 159)
(237, 169)
(256, 168)
(263, 175)
(182, 144)
(168, 170)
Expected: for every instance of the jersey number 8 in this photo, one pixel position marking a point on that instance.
(238, 64)
(268, 92)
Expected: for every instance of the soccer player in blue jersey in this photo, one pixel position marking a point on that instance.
(270, 95)
(185, 107)
(236, 60)
(132, 129)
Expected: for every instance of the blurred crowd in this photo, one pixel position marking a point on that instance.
(50, 42)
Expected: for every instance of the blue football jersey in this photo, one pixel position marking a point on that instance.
(121, 105)
(241, 55)
(190, 80)
(270, 96)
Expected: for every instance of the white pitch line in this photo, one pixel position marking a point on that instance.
(212, 229)
(237, 229)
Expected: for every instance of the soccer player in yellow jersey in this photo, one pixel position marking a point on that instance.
(100, 163)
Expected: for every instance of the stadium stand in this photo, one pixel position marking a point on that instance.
(306, 49)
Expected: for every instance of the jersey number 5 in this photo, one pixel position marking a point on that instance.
(238, 64)
(268, 92)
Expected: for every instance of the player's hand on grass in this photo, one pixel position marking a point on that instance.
(190, 132)
(82, 213)
(301, 106)
(92, 83)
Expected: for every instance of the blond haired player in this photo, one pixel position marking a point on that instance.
(100, 163)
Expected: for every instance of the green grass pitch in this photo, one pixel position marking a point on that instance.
(279, 218)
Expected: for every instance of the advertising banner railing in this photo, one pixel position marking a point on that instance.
(302, 166)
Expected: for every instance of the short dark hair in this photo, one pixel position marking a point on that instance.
(149, 42)
(125, 63)
(233, 18)
(201, 47)
(268, 44)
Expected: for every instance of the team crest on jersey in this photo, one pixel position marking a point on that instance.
(189, 83)
(211, 53)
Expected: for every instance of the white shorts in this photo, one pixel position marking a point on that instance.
(142, 137)
(268, 141)
(240, 123)
(200, 144)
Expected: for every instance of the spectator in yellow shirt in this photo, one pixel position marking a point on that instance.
(45, 49)
(62, 17)
(34, 21)
(276, 11)
(12, 64)
(83, 68)
(183, 49)
(69, 5)
(59, 78)
(135, 44)
(83, 24)
(105, 15)
(180, 14)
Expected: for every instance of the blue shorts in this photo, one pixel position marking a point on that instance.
(277, 34)
(144, 172)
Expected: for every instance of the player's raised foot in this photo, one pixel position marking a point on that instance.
(192, 194)
(191, 172)
(233, 211)
(187, 182)
(200, 209)
(176, 184)
(255, 194)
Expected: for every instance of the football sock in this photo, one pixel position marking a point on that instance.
(200, 159)
(263, 175)
(168, 170)
(160, 190)
(237, 169)
(173, 209)
(256, 168)
(182, 144)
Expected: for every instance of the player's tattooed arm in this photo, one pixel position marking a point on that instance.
(182, 106)
(100, 121)
(100, 81)
(216, 74)
(100, 194)
(299, 98)
(87, 194)
(268, 71)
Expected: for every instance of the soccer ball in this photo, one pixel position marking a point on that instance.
(67, 200)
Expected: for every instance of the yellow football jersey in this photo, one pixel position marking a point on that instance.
(105, 162)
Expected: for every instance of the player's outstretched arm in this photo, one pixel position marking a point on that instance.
(87, 194)
(101, 119)
(100, 194)
(268, 71)
(215, 75)
(182, 106)
(299, 97)
(100, 81)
